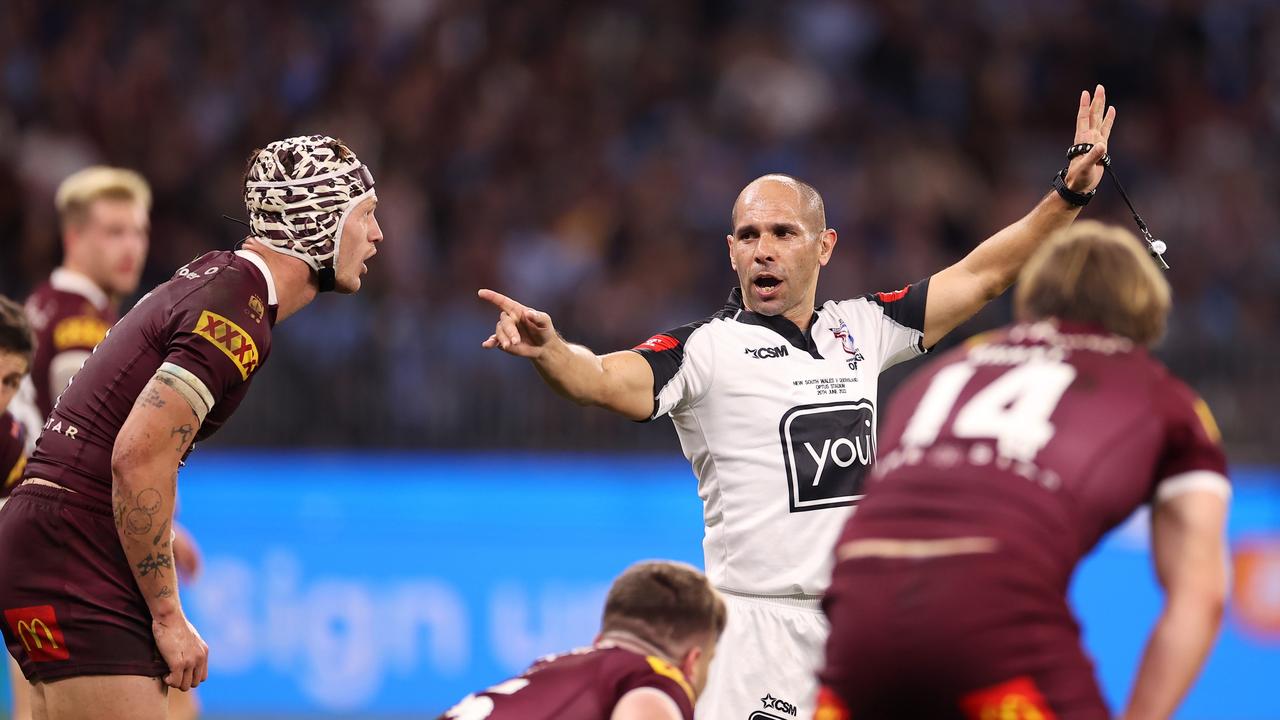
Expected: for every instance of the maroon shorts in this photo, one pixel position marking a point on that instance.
(71, 606)
(958, 637)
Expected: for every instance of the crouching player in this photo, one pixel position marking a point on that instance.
(1001, 466)
(661, 624)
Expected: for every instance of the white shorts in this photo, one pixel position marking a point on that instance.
(766, 663)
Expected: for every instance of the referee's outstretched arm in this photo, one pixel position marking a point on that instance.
(960, 291)
(620, 381)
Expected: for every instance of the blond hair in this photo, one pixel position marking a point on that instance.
(1098, 274)
(78, 191)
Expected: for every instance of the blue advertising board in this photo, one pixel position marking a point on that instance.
(361, 584)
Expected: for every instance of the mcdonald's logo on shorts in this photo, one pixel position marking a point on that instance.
(37, 629)
(1017, 699)
(830, 706)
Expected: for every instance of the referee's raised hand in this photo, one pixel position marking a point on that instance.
(1093, 125)
(521, 331)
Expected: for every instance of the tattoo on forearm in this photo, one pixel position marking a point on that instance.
(165, 592)
(184, 432)
(119, 509)
(154, 563)
(139, 519)
(162, 534)
(137, 522)
(149, 501)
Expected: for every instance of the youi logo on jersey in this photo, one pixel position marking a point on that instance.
(827, 450)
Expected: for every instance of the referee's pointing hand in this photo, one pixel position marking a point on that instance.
(521, 331)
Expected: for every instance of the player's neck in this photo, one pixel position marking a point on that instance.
(801, 315)
(294, 280)
(634, 643)
(112, 299)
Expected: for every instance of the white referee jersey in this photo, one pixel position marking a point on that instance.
(780, 427)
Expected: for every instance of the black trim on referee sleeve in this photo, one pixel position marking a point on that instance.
(665, 351)
(905, 306)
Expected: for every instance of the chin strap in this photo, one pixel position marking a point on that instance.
(327, 279)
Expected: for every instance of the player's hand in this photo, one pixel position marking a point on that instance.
(521, 331)
(183, 650)
(186, 554)
(1093, 125)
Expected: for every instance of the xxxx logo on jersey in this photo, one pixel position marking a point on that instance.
(82, 331)
(231, 339)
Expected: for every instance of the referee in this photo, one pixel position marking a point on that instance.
(775, 402)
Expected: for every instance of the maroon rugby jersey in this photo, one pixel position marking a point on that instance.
(1042, 436)
(12, 456)
(584, 684)
(70, 315)
(212, 320)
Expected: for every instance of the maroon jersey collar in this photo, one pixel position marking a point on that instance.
(69, 281)
(261, 264)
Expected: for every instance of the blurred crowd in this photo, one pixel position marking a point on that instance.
(582, 156)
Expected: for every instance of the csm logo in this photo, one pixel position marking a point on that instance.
(827, 450)
(767, 352)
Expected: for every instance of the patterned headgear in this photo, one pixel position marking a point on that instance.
(299, 191)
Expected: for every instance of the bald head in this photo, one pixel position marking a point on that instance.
(777, 185)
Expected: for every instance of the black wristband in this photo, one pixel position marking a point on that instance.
(1080, 149)
(1071, 196)
(1076, 151)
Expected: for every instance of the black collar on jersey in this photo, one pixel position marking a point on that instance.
(800, 339)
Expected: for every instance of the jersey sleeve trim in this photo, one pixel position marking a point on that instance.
(1204, 480)
(906, 306)
(190, 387)
(674, 707)
(665, 354)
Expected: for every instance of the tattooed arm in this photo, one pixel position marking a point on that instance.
(144, 467)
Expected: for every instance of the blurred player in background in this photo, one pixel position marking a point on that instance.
(1006, 461)
(91, 606)
(774, 404)
(661, 624)
(17, 345)
(103, 213)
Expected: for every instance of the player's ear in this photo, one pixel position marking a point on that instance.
(732, 263)
(826, 245)
(689, 661)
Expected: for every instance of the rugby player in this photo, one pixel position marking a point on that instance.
(91, 608)
(17, 344)
(1005, 462)
(774, 402)
(103, 212)
(661, 624)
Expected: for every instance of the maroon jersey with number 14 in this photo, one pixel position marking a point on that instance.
(581, 685)
(1025, 446)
